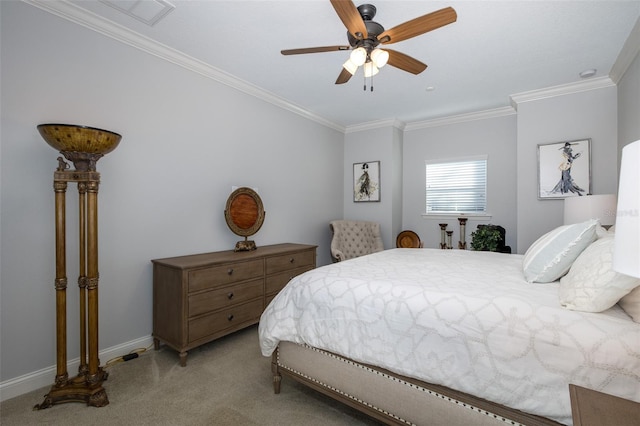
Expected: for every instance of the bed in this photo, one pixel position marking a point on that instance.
(427, 336)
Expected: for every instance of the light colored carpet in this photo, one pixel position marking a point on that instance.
(225, 382)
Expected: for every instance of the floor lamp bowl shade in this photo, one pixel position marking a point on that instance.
(580, 209)
(626, 255)
(81, 145)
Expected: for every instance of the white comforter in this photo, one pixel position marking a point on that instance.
(463, 319)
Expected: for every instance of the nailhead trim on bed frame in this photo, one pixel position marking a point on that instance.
(387, 376)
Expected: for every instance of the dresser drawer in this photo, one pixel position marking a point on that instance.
(202, 279)
(275, 283)
(290, 261)
(224, 297)
(234, 317)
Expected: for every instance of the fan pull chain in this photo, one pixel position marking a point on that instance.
(364, 73)
(365, 83)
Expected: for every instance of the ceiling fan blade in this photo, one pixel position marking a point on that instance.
(405, 62)
(314, 50)
(343, 77)
(350, 17)
(420, 25)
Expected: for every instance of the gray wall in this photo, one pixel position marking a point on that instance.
(494, 137)
(589, 114)
(186, 141)
(380, 144)
(629, 100)
(397, 176)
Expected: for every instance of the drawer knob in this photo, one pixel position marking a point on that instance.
(230, 296)
(230, 317)
(230, 271)
(292, 260)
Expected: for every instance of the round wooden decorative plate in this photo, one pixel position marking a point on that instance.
(244, 212)
(408, 239)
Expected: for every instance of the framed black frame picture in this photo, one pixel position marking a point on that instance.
(366, 182)
(564, 169)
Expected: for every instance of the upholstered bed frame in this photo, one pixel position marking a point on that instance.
(386, 396)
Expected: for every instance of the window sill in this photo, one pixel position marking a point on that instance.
(448, 216)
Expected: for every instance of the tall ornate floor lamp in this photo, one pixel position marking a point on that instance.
(83, 146)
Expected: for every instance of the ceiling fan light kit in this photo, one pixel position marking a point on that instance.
(364, 36)
(350, 67)
(359, 56)
(370, 69)
(380, 57)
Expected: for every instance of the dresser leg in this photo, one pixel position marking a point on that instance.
(183, 359)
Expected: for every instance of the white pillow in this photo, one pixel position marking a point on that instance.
(631, 304)
(551, 256)
(601, 231)
(591, 284)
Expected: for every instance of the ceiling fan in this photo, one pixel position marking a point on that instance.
(365, 35)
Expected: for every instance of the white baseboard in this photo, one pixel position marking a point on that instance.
(45, 377)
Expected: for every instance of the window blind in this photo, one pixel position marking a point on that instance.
(457, 186)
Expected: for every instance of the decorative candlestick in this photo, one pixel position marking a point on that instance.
(449, 234)
(462, 244)
(443, 229)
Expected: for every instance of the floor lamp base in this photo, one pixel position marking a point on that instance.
(78, 389)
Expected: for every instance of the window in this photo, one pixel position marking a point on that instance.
(457, 186)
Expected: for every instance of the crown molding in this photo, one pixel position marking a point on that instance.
(83, 17)
(392, 122)
(630, 50)
(461, 118)
(565, 89)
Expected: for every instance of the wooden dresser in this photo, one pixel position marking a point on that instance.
(201, 297)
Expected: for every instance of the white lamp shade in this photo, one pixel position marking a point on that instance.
(358, 56)
(626, 254)
(350, 66)
(370, 69)
(379, 57)
(580, 209)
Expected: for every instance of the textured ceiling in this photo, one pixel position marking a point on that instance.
(494, 50)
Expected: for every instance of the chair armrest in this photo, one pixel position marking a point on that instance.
(338, 255)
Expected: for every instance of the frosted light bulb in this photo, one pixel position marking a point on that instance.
(379, 57)
(350, 66)
(370, 69)
(358, 56)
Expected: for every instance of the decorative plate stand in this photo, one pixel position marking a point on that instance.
(244, 214)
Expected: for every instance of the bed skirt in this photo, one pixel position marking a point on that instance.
(386, 396)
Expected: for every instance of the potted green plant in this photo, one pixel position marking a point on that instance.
(486, 238)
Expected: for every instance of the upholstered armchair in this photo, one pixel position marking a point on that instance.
(354, 238)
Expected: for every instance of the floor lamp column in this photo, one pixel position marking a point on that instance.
(62, 375)
(95, 375)
(83, 146)
(87, 385)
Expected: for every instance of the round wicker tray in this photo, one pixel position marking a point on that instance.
(408, 239)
